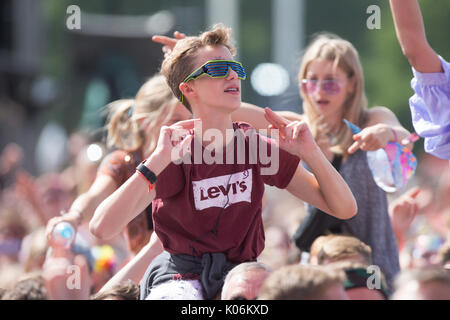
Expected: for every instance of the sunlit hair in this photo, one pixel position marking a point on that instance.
(182, 60)
(126, 290)
(419, 278)
(241, 269)
(317, 244)
(344, 56)
(154, 101)
(342, 247)
(177, 290)
(301, 282)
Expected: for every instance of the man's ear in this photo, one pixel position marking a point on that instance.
(186, 89)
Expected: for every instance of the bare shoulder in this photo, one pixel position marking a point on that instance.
(380, 111)
(380, 114)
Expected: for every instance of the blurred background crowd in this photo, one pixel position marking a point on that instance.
(55, 82)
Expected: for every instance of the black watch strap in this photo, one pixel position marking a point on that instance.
(148, 174)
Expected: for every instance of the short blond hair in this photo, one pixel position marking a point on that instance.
(300, 282)
(127, 290)
(421, 277)
(340, 247)
(316, 246)
(181, 62)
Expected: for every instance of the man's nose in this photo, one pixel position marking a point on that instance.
(231, 74)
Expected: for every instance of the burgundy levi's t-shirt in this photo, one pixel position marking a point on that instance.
(190, 198)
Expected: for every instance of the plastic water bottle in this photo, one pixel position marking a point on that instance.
(379, 165)
(64, 235)
(381, 170)
(304, 258)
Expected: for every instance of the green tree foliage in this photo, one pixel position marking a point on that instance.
(387, 72)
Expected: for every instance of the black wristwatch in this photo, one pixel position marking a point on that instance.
(147, 173)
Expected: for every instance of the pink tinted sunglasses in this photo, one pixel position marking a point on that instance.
(330, 86)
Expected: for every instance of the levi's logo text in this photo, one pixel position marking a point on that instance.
(217, 191)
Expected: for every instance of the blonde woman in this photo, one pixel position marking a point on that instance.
(332, 88)
(331, 85)
(133, 128)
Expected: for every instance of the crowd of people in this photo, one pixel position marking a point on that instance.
(151, 222)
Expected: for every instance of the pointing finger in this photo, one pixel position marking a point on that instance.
(179, 35)
(354, 147)
(275, 119)
(165, 40)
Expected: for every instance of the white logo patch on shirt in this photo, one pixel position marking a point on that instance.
(215, 192)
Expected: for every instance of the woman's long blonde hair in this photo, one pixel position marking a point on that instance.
(343, 55)
(154, 101)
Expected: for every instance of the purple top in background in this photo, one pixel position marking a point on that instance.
(430, 109)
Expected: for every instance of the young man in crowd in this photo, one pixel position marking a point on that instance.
(207, 214)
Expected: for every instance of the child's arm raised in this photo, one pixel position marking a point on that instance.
(412, 38)
(116, 211)
(324, 187)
